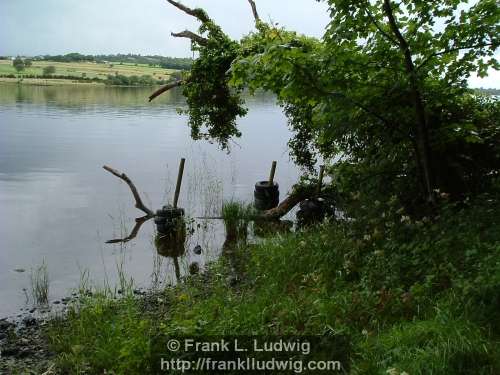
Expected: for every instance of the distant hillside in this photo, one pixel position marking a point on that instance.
(154, 60)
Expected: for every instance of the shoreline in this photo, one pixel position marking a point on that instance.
(61, 82)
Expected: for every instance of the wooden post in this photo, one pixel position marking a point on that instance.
(320, 178)
(271, 175)
(179, 181)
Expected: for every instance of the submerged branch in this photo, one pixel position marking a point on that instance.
(135, 193)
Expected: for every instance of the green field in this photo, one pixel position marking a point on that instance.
(89, 69)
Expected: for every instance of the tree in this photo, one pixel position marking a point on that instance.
(49, 70)
(385, 90)
(28, 63)
(18, 64)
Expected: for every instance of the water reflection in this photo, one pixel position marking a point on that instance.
(58, 205)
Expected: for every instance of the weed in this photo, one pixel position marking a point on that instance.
(39, 282)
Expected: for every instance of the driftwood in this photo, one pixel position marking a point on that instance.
(138, 201)
(297, 195)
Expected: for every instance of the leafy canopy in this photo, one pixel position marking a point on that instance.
(385, 90)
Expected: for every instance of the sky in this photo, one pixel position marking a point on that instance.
(29, 27)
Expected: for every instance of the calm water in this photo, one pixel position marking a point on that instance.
(59, 206)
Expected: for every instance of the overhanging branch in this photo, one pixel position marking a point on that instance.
(254, 11)
(198, 13)
(190, 35)
(165, 88)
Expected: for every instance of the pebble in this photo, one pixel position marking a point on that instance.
(197, 250)
(28, 322)
(4, 325)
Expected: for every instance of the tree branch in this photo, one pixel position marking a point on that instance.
(455, 49)
(254, 11)
(190, 35)
(297, 196)
(379, 28)
(423, 149)
(313, 82)
(138, 224)
(135, 193)
(165, 88)
(198, 13)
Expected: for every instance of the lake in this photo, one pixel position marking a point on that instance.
(59, 207)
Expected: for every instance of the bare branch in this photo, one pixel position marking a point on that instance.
(198, 13)
(254, 11)
(190, 35)
(135, 193)
(138, 224)
(165, 88)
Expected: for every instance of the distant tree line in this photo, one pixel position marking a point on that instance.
(154, 60)
(488, 91)
(112, 80)
(20, 64)
(144, 80)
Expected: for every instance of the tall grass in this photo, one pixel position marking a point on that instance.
(236, 213)
(39, 282)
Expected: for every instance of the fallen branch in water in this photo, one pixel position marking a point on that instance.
(298, 194)
(138, 201)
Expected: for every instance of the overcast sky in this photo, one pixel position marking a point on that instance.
(30, 27)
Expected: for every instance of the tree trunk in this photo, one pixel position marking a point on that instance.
(422, 131)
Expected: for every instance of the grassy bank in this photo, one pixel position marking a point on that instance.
(84, 70)
(412, 297)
